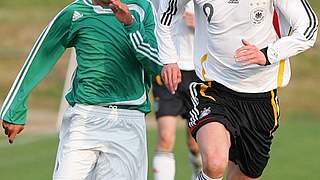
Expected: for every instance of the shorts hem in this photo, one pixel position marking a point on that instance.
(254, 176)
(207, 120)
(167, 114)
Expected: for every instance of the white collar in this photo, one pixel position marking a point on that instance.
(98, 9)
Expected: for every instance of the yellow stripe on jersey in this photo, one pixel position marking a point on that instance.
(203, 59)
(280, 73)
(158, 80)
(203, 89)
(275, 111)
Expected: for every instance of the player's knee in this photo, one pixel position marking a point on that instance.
(215, 165)
(194, 151)
(166, 142)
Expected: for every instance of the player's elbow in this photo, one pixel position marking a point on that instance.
(310, 41)
(314, 38)
(310, 34)
(307, 40)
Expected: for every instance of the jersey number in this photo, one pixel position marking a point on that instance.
(208, 11)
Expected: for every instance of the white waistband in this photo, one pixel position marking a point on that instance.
(108, 110)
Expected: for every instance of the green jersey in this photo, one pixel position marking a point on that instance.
(115, 62)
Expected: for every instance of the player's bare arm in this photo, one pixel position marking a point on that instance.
(250, 54)
(12, 130)
(171, 76)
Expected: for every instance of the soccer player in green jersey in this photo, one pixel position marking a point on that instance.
(103, 133)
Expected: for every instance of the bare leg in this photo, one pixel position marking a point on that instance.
(166, 133)
(194, 156)
(163, 161)
(234, 173)
(192, 144)
(214, 143)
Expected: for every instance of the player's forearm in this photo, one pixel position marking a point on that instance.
(144, 42)
(167, 50)
(169, 14)
(289, 46)
(146, 51)
(304, 24)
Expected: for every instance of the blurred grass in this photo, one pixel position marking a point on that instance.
(32, 158)
(22, 22)
(294, 155)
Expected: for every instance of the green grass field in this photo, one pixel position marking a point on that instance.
(295, 154)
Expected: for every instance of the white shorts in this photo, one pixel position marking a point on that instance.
(99, 143)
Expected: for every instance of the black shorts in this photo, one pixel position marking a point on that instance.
(167, 104)
(251, 118)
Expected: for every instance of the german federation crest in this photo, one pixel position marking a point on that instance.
(257, 15)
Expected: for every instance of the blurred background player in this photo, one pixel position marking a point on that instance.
(168, 107)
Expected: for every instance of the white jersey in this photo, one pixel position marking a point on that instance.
(155, 4)
(220, 27)
(183, 39)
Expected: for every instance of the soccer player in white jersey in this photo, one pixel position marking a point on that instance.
(242, 62)
(103, 132)
(168, 106)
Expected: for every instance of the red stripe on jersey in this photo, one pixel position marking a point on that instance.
(276, 23)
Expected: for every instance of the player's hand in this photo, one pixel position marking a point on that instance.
(171, 76)
(189, 19)
(250, 54)
(121, 11)
(11, 130)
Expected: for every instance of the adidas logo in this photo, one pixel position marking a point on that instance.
(233, 1)
(76, 15)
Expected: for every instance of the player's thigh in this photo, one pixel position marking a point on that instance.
(75, 165)
(213, 137)
(208, 123)
(214, 144)
(125, 156)
(112, 166)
